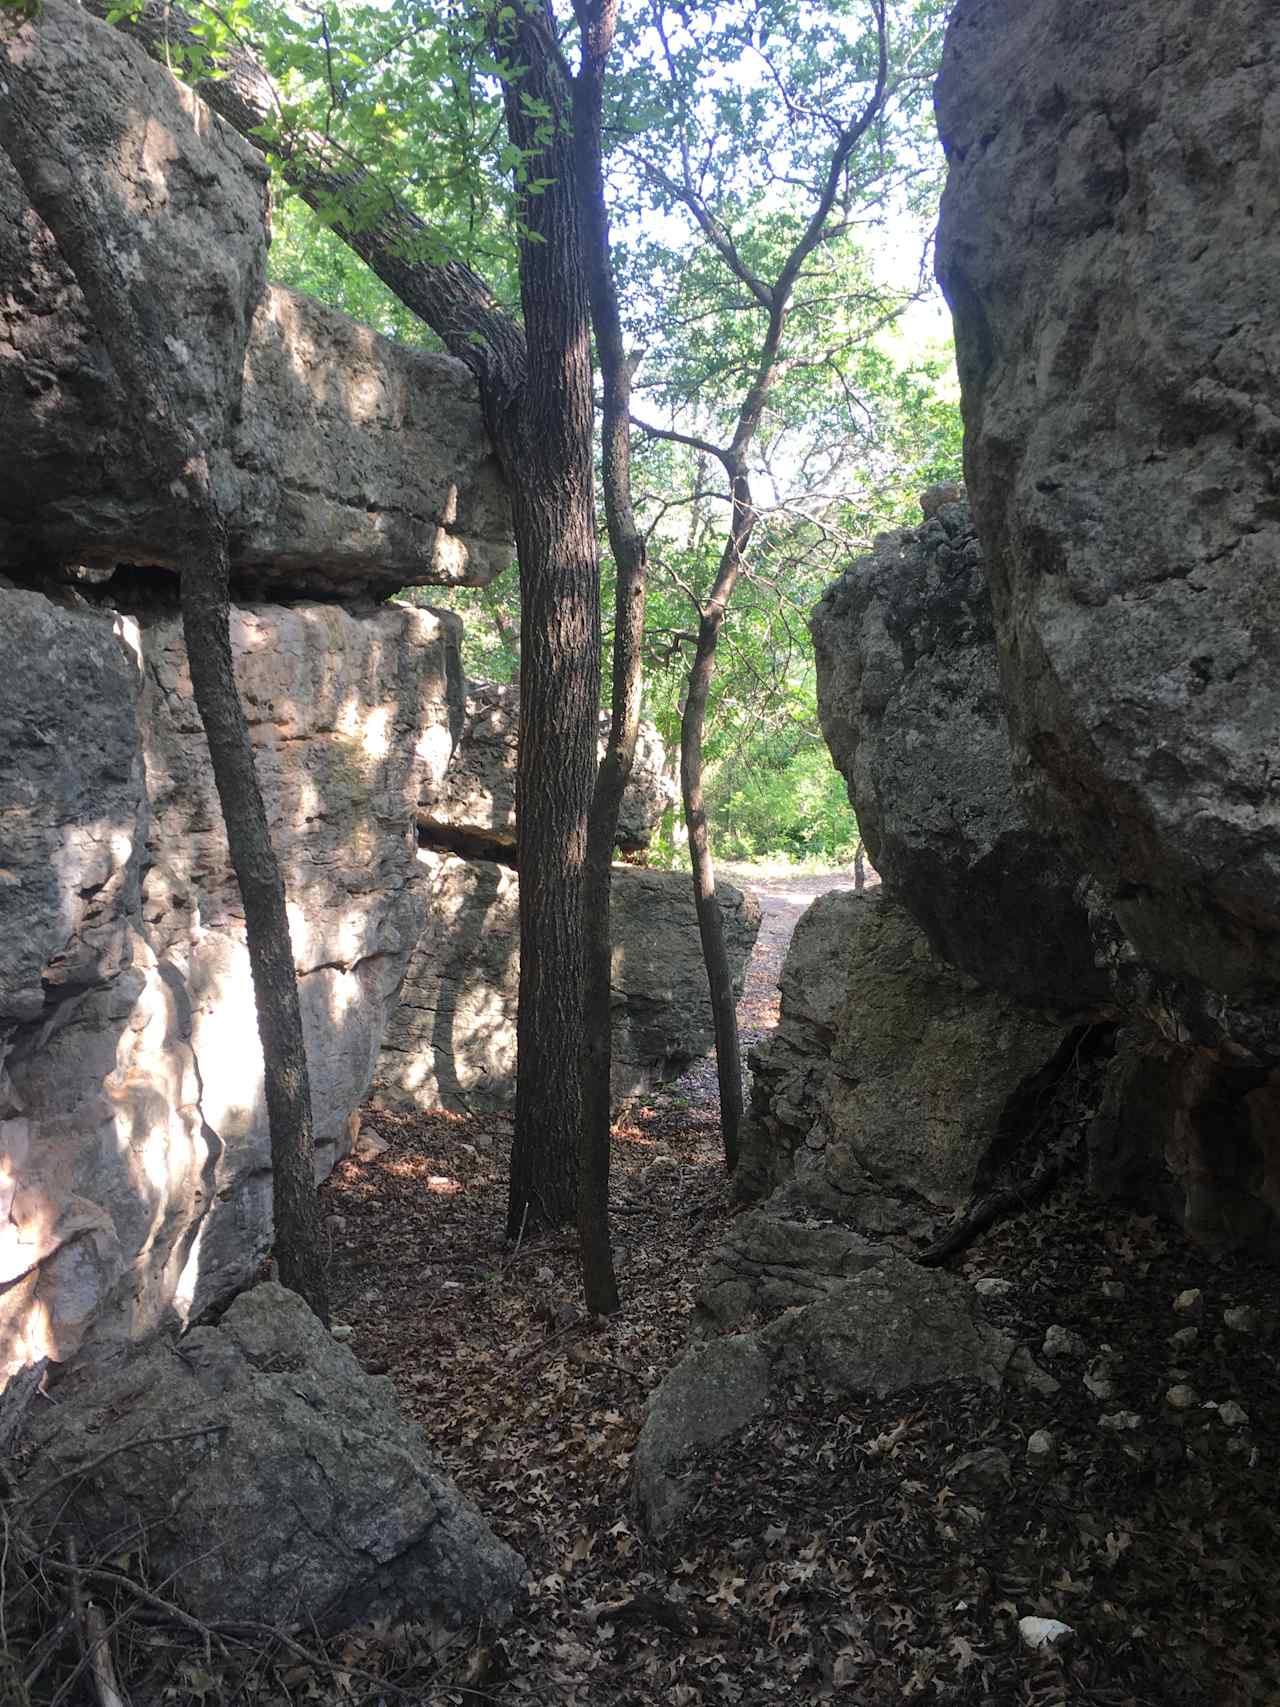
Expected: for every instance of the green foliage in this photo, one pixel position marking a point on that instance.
(741, 100)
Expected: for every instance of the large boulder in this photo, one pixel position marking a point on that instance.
(891, 1073)
(911, 705)
(133, 1129)
(1109, 242)
(268, 1478)
(475, 809)
(342, 461)
(452, 1040)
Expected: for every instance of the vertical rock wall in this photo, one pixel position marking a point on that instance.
(134, 1139)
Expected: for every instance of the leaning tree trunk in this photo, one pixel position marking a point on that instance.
(597, 20)
(295, 1205)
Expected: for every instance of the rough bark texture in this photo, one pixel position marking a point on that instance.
(545, 442)
(127, 193)
(597, 20)
(1109, 241)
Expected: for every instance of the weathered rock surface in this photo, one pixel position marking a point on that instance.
(890, 1074)
(452, 1041)
(1109, 242)
(132, 1127)
(911, 705)
(163, 210)
(885, 1328)
(1194, 1134)
(343, 461)
(301, 1495)
(478, 800)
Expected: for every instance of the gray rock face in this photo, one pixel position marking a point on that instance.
(343, 461)
(452, 1041)
(889, 1069)
(134, 171)
(302, 1494)
(911, 706)
(885, 1328)
(132, 1124)
(478, 798)
(1109, 243)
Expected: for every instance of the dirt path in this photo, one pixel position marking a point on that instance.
(783, 898)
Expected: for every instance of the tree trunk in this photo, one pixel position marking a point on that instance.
(724, 1011)
(295, 1206)
(597, 20)
(559, 709)
(543, 434)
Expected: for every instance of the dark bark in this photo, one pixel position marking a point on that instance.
(715, 956)
(295, 1205)
(597, 21)
(546, 444)
(74, 194)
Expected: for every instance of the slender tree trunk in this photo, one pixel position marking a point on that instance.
(710, 919)
(724, 1011)
(597, 20)
(295, 1206)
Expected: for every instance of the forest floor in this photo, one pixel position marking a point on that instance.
(860, 1553)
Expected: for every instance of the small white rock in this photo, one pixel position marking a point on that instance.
(1233, 1415)
(1038, 1633)
(1184, 1337)
(992, 1287)
(341, 1331)
(1190, 1302)
(1241, 1319)
(1181, 1397)
(1117, 1422)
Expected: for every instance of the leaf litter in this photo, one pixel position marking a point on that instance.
(860, 1552)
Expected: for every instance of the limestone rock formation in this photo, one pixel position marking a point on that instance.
(354, 465)
(476, 807)
(890, 1074)
(452, 1041)
(132, 1127)
(1109, 242)
(911, 705)
(300, 1497)
(890, 1326)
